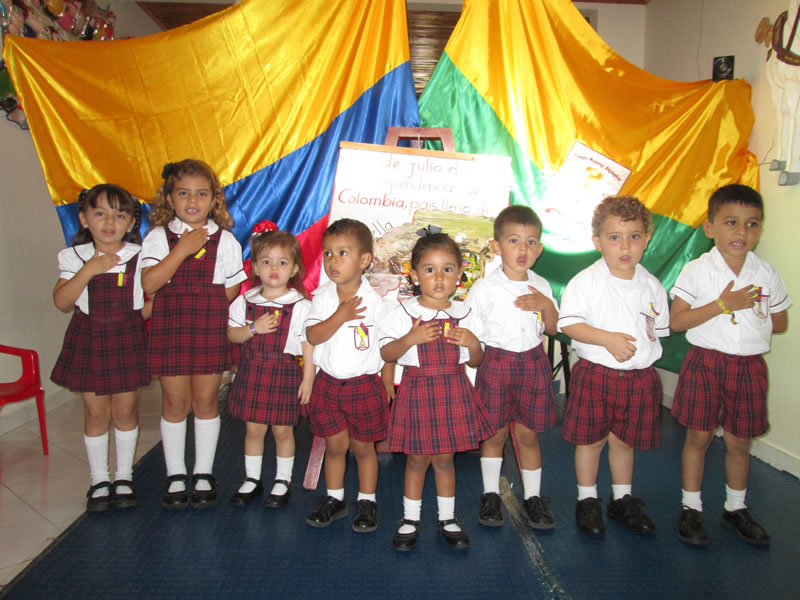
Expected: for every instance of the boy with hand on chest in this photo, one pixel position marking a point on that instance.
(730, 302)
(614, 311)
(514, 379)
(349, 400)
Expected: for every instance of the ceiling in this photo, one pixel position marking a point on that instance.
(169, 15)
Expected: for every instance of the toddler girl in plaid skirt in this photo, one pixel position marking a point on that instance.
(269, 386)
(193, 265)
(436, 412)
(105, 344)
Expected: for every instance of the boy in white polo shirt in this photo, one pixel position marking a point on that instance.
(349, 403)
(514, 380)
(614, 311)
(731, 302)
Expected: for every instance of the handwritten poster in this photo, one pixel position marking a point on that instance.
(397, 191)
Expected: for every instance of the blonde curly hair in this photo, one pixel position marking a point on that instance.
(163, 212)
(627, 208)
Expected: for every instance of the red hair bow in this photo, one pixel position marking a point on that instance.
(264, 226)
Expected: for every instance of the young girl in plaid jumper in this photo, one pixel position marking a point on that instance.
(105, 344)
(193, 266)
(437, 412)
(269, 387)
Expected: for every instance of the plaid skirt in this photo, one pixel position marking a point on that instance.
(103, 356)
(265, 390)
(715, 388)
(437, 411)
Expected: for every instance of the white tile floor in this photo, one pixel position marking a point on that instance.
(40, 496)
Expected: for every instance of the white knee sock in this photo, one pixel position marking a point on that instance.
(411, 511)
(447, 510)
(125, 444)
(252, 469)
(173, 439)
(490, 471)
(97, 452)
(206, 435)
(531, 482)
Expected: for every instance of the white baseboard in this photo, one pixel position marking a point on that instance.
(776, 457)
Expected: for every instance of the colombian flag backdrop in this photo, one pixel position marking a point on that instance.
(262, 91)
(528, 78)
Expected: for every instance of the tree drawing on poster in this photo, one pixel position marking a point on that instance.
(397, 192)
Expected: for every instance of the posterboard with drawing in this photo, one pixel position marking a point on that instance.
(397, 191)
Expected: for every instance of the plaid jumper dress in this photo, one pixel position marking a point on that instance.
(436, 410)
(189, 326)
(104, 351)
(265, 388)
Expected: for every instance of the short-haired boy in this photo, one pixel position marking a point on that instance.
(514, 379)
(614, 311)
(349, 403)
(730, 302)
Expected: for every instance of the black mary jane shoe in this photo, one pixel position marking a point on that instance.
(405, 541)
(175, 500)
(456, 540)
(98, 503)
(204, 498)
(123, 499)
(279, 500)
(245, 498)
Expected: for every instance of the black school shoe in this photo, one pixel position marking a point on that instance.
(456, 540)
(279, 501)
(98, 503)
(366, 519)
(628, 511)
(123, 499)
(204, 498)
(539, 515)
(691, 529)
(175, 500)
(742, 523)
(405, 541)
(490, 513)
(328, 511)
(589, 516)
(245, 498)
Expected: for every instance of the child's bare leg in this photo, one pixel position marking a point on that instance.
(737, 461)
(205, 395)
(176, 397)
(494, 446)
(284, 440)
(620, 461)
(587, 462)
(96, 414)
(254, 440)
(367, 460)
(416, 467)
(530, 453)
(444, 473)
(736, 515)
(125, 411)
(693, 458)
(336, 448)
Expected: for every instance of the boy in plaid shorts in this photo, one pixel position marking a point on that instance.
(614, 311)
(349, 401)
(514, 379)
(730, 302)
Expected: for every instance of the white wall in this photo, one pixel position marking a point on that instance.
(622, 26)
(30, 238)
(682, 40)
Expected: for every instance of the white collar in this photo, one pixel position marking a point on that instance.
(179, 227)
(127, 252)
(254, 297)
(456, 310)
(602, 266)
(719, 261)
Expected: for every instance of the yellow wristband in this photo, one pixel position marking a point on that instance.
(723, 308)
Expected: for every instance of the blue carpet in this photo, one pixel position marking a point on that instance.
(225, 552)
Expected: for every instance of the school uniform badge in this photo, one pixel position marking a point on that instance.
(650, 322)
(361, 337)
(761, 306)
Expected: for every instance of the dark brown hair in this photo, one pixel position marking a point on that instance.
(517, 214)
(352, 227)
(432, 241)
(735, 193)
(118, 199)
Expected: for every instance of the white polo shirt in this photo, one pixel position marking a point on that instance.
(353, 350)
(635, 306)
(237, 315)
(71, 260)
(228, 269)
(508, 327)
(702, 280)
(399, 323)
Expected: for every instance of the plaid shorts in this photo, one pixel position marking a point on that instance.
(603, 401)
(358, 404)
(715, 388)
(516, 386)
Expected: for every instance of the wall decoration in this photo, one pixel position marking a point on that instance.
(783, 74)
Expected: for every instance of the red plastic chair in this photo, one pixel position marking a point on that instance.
(27, 386)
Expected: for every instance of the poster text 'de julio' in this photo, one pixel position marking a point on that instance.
(397, 191)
